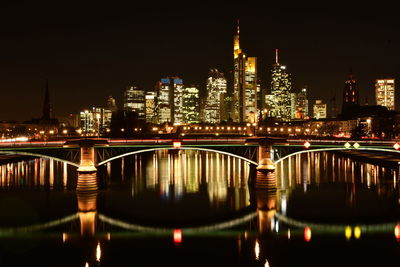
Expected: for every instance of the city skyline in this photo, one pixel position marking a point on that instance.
(80, 57)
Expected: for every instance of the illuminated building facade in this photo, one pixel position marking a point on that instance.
(319, 110)
(384, 93)
(301, 109)
(134, 99)
(281, 87)
(169, 105)
(245, 83)
(350, 93)
(150, 107)
(91, 121)
(190, 107)
(216, 88)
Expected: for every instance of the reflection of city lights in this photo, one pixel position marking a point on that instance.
(288, 233)
(357, 232)
(266, 263)
(257, 250)
(87, 264)
(347, 232)
(177, 236)
(307, 234)
(98, 252)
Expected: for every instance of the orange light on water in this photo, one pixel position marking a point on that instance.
(177, 236)
(307, 234)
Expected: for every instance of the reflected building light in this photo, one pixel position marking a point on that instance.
(266, 263)
(283, 203)
(64, 237)
(65, 174)
(177, 236)
(357, 232)
(98, 252)
(257, 250)
(288, 233)
(277, 226)
(51, 173)
(397, 232)
(348, 232)
(87, 264)
(307, 234)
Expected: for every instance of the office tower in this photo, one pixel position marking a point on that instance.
(150, 107)
(281, 87)
(384, 93)
(245, 82)
(350, 93)
(134, 101)
(302, 104)
(190, 105)
(169, 103)
(216, 86)
(319, 110)
(111, 104)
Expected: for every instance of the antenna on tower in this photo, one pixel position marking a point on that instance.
(276, 55)
(238, 27)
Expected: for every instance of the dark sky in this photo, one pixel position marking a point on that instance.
(90, 50)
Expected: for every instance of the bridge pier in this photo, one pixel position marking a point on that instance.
(87, 161)
(87, 203)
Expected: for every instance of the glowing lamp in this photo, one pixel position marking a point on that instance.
(356, 145)
(177, 236)
(307, 144)
(397, 232)
(307, 234)
(177, 144)
(396, 146)
(347, 145)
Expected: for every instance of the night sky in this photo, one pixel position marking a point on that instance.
(91, 50)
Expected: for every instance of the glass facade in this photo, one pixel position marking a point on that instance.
(384, 93)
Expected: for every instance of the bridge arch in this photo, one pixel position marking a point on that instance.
(22, 153)
(181, 148)
(334, 149)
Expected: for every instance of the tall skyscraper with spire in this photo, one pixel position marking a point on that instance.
(350, 93)
(281, 87)
(244, 82)
(46, 114)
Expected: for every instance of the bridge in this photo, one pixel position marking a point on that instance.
(261, 152)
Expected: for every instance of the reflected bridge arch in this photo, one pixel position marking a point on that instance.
(38, 155)
(249, 161)
(303, 151)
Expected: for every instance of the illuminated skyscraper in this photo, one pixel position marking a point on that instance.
(190, 107)
(169, 105)
(384, 93)
(245, 82)
(150, 107)
(350, 93)
(281, 87)
(301, 107)
(319, 110)
(216, 88)
(134, 101)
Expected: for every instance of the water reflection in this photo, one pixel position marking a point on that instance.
(37, 173)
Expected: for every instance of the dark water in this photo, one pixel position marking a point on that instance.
(196, 209)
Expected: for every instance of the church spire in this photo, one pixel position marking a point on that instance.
(46, 115)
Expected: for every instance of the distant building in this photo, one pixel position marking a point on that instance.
(384, 93)
(150, 107)
(245, 82)
(319, 110)
(190, 105)
(169, 100)
(350, 94)
(111, 104)
(302, 105)
(134, 101)
(216, 87)
(281, 87)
